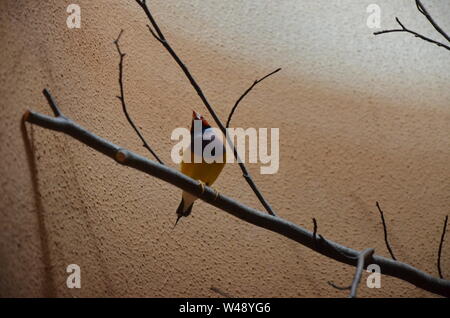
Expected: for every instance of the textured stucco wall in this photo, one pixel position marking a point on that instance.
(361, 119)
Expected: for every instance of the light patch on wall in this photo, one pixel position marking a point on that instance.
(330, 42)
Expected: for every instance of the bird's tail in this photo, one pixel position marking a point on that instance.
(183, 210)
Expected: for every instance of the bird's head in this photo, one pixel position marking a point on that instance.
(197, 116)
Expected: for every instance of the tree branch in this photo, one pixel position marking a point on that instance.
(421, 8)
(315, 233)
(122, 100)
(358, 273)
(404, 29)
(220, 292)
(161, 39)
(275, 224)
(440, 247)
(424, 11)
(338, 287)
(245, 94)
(363, 259)
(385, 232)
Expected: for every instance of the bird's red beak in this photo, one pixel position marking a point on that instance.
(197, 116)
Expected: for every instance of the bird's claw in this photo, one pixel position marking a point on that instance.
(216, 194)
(202, 186)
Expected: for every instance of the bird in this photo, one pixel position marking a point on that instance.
(205, 172)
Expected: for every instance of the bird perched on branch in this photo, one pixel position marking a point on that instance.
(194, 165)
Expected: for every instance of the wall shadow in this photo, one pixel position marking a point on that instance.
(48, 287)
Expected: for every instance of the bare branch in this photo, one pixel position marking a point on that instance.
(424, 11)
(440, 247)
(363, 258)
(220, 292)
(338, 287)
(161, 38)
(154, 34)
(51, 101)
(122, 100)
(404, 29)
(275, 224)
(315, 233)
(385, 232)
(338, 251)
(246, 92)
(322, 240)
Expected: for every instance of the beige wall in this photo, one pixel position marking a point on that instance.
(361, 119)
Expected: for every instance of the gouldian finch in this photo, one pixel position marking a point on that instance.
(206, 173)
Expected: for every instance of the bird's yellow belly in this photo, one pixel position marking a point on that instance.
(205, 172)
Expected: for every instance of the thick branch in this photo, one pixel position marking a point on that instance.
(122, 100)
(275, 224)
(385, 232)
(245, 94)
(161, 39)
(362, 261)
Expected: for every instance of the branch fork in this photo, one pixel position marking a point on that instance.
(423, 11)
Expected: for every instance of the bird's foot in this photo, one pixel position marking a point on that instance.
(216, 194)
(202, 186)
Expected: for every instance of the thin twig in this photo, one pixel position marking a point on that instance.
(315, 233)
(161, 39)
(404, 29)
(440, 247)
(424, 11)
(245, 94)
(51, 101)
(275, 224)
(154, 34)
(220, 292)
(385, 232)
(338, 287)
(122, 100)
